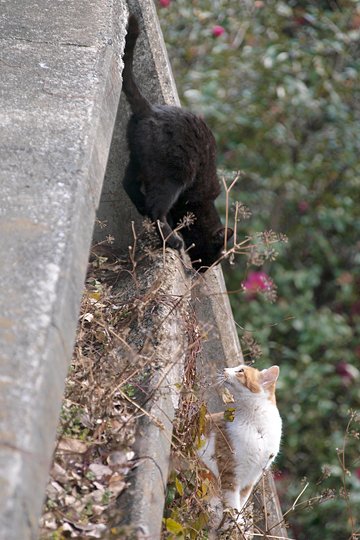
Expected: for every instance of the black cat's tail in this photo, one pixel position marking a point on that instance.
(138, 103)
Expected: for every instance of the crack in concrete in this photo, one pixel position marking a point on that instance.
(83, 45)
(63, 43)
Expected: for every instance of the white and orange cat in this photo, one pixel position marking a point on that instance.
(239, 450)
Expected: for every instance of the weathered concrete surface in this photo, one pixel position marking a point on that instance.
(60, 67)
(140, 507)
(221, 347)
(154, 77)
(266, 497)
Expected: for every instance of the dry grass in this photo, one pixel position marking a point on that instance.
(110, 380)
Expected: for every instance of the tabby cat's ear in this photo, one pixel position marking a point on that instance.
(269, 376)
(219, 235)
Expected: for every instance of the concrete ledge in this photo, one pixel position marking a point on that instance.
(222, 347)
(267, 504)
(140, 508)
(61, 67)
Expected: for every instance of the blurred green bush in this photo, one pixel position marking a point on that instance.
(278, 82)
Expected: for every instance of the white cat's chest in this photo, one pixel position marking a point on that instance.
(254, 436)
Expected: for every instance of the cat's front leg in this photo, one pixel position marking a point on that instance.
(132, 186)
(171, 238)
(159, 201)
(233, 511)
(232, 499)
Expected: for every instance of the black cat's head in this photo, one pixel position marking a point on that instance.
(208, 249)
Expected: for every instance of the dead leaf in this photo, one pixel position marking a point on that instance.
(54, 489)
(58, 473)
(73, 446)
(227, 396)
(98, 509)
(66, 527)
(97, 531)
(100, 470)
(69, 500)
(50, 522)
(119, 459)
(229, 414)
(116, 484)
(116, 425)
(93, 530)
(98, 494)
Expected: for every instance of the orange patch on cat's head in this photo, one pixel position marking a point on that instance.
(254, 380)
(249, 377)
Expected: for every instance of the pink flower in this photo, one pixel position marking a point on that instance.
(303, 206)
(357, 473)
(257, 282)
(280, 475)
(303, 20)
(355, 308)
(300, 21)
(164, 3)
(347, 372)
(218, 31)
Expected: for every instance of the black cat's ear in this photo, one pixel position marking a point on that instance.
(219, 235)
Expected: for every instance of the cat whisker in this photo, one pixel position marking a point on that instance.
(215, 384)
(220, 379)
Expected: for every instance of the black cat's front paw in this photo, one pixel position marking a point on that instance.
(175, 242)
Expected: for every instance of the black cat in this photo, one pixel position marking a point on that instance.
(172, 168)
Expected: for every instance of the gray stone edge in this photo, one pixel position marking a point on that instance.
(142, 504)
(19, 519)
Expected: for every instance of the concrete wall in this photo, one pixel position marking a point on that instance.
(61, 69)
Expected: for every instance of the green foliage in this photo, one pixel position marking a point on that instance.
(186, 516)
(280, 89)
(71, 423)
